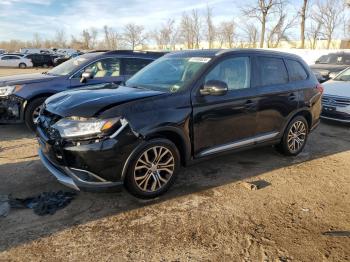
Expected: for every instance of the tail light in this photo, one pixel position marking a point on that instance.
(320, 88)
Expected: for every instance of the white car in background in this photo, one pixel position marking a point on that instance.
(336, 98)
(15, 61)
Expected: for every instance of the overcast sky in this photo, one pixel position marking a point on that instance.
(20, 19)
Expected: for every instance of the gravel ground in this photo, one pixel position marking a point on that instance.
(208, 215)
(299, 213)
(16, 71)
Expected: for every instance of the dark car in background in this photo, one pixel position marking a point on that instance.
(184, 107)
(41, 60)
(21, 96)
(62, 59)
(327, 66)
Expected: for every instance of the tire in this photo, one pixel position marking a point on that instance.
(31, 109)
(22, 65)
(156, 181)
(295, 137)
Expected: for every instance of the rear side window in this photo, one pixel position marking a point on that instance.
(133, 65)
(272, 71)
(296, 70)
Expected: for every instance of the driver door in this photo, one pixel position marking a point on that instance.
(103, 71)
(227, 121)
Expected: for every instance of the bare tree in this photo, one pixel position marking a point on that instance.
(166, 35)
(314, 31)
(210, 28)
(111, 38)
(134, 35)
(37, 42)
(252, 34)
(261, 11)
(227, 33)
(60, 38)
(330, 13)
(302, 14)
(279, 30)
(190, 27)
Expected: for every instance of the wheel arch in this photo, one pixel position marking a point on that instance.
(177, 137)
(305, 112)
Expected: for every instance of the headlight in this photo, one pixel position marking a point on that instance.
(8, 90)
(77, 126)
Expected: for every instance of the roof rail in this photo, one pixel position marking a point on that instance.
(96, 51)
(156, 53)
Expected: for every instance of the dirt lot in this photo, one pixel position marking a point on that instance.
(207, 216)
(16, 71)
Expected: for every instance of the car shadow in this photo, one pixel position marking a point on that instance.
(29, 178)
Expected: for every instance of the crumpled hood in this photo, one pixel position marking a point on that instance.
(89, 102)
(25, 79)
(337, 88)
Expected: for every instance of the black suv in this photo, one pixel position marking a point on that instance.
(328, 66)
(43, 60)
(183, 107)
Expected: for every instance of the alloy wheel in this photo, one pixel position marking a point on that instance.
(296, 136)
(36, 113)
(154, 168)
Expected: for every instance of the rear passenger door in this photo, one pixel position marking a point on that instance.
(277, 96)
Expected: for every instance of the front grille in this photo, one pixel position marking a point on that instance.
(337, 101)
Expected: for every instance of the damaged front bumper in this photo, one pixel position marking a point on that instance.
(97, 164)
(11, 109)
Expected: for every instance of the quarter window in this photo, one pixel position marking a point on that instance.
(235, 72)
(296, 70)
(272, 71)
(133, 65)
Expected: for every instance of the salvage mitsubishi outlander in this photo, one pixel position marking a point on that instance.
(184, 107)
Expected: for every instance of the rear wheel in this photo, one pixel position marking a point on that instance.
(32, 112)
(295, 137)
(22, 65)
(153, 169)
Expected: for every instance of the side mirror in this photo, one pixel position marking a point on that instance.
(214, 88)
(85, 76)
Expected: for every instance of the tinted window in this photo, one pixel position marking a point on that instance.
(109, 67)
(235, 72)
(296, 70)
(133, 65)
(5, 58)
(272, 71)
(347, 59)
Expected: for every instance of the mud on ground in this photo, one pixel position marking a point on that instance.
(208, 215)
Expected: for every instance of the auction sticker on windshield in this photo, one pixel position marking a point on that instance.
(200, 59)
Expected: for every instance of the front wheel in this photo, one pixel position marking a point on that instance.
(295, 137)
(153, 168)
(32, 112)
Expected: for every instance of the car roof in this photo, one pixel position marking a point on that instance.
(222, 52)
(135, 53)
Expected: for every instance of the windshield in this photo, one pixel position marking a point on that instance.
(68, 67)
(168, 74)
(327, 59)
(344, 76)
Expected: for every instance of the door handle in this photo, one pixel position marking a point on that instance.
(250, 103)
(292, 97)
